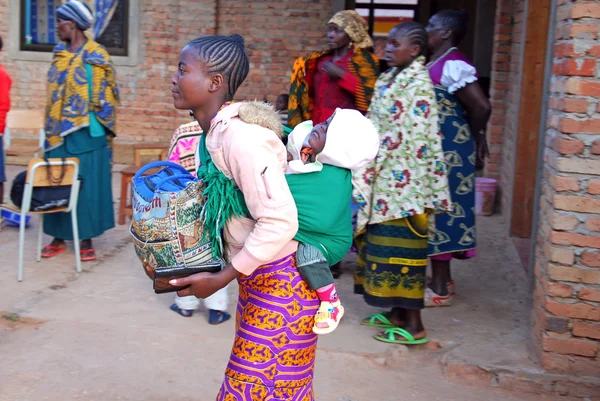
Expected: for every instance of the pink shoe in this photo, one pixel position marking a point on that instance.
(328, 317)
(433, 299)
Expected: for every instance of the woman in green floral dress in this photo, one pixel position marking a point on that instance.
(399, 189)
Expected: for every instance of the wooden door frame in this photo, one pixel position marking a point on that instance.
(537, 19)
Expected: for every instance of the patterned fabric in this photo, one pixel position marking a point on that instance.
(78, 12)
(184, 145)
(355, 27)
(68, 103)
(455, 231)
(274, 349)
(363, 64)
(408, 176)
(391, 264)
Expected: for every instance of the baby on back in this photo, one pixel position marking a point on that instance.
(320, 160)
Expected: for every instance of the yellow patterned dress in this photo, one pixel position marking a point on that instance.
(274, 349)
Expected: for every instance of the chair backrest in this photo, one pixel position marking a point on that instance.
(25, 119)
(156, 151)
(40, 174)
(20, 119)
(49, 172)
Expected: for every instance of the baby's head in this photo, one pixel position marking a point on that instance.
(282, 102)
(318, 136)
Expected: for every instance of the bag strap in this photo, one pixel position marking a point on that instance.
(51, 179)
(160, 163)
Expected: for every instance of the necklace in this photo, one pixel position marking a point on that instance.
(434, 62)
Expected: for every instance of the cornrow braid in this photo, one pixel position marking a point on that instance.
(224, 55)
(415, 32)
(455, 21)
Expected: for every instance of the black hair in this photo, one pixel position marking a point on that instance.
(284, 96)
(1, 43)
(224, 55)
(455, 21)
(415, 32)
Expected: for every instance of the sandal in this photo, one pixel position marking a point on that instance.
(328, 317)
(450, 285)
(50, 250)
(182, 312)
(217, 317)
(389, 336)
(382, 317)
(87, 255)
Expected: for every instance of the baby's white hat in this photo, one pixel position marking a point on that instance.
(297, 137)
(352, 140)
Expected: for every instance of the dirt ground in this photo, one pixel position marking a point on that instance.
(104, 335)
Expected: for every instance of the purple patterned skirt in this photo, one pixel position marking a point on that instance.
(273, 354)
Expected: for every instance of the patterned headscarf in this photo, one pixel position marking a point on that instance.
(355, 27)
(78, 12)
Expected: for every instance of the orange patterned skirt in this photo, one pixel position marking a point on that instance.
(273, 354)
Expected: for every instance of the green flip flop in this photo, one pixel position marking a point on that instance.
(389, 336)
(382, 317)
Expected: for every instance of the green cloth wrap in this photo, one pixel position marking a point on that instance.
(324, 217)
(222, 200)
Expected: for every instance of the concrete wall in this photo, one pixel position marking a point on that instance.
(276, 33)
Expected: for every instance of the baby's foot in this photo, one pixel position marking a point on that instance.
(328, 317)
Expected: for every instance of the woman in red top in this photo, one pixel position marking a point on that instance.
(342, 76)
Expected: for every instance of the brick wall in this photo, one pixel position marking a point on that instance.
(276, 33)
(566, 314)
(505, 93)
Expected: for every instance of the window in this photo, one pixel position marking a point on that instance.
(383, 15)
(38, 25)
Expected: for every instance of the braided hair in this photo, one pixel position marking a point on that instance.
(224, 55)
(456, 22)
(415, 32)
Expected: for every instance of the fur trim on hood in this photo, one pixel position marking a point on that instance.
(261, 113)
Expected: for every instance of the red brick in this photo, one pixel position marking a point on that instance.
(562, 50)
(583, 87)
(594, 51)
(591, 259)
(577, 203)
(584, 9)
(594, 187)
(561, 184)
(570, 126)
(575, 310)
(559, 290)
(575, 105)
(581, 329)
(570, 364)
(579, 67)
(582, 240)
(563, 222)
(582, 31)
(574, 274)
(561, 255)
(570, 346)
(589, 294)
(567, 146)
(592, 224)
(596, 148)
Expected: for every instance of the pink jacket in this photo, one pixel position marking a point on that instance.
(244, 144)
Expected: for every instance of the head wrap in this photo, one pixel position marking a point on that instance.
(352, 140)
(78, 12)
(355, 27)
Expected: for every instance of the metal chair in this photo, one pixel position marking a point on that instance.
(38, 176)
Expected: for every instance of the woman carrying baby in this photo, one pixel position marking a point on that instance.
(399, 189)
(244, 161)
